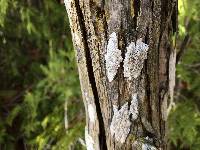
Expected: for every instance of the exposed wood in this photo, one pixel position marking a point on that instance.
(129, 113)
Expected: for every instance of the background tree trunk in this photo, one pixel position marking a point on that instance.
(121, 112)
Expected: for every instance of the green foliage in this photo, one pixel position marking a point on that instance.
(59, 86)
(3, 11)
(189, 68)
(38, 77)
(184, 120)
(185, 131)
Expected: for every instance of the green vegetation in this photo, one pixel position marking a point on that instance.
(40, 99)
(38, 78)
(184, 120)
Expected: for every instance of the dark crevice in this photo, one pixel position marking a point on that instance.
(146, 39)
(121, 83)
(136, 12)
(174, 18)
(164, 14)
(152, 6)
(102, 136)
(148, 94)
(147, 70)
(168, 57)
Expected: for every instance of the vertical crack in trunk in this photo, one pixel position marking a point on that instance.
(136, 12)
(102, 135)
(149, 117)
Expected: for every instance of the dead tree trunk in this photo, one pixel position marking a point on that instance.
(126, 60)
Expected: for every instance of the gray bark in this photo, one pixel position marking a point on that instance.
(126, 61)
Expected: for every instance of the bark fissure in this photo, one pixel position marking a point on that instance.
(102, 136)
(136, 6)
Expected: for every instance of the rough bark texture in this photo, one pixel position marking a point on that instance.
(125, 112)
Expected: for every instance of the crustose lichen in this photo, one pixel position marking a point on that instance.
(113, 57)
(120, 125)
(134, 59)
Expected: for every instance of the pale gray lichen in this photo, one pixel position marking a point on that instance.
(91, 113)
(113, 57)
(88, 140)
(120, 125)
(134, 107)
(134, 59)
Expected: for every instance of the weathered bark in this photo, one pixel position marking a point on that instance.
(126, 97)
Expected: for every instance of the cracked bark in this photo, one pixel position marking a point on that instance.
(155, 22)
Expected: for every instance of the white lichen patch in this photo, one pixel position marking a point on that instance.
(91, 113)
(88, 140)
(134, 107)
(120, 125)
(134, 59)
(113, 57)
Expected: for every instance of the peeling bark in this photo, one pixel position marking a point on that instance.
(126, 88)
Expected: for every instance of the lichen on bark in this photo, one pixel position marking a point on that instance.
(134, 59)
(123, 118)
(113, 57)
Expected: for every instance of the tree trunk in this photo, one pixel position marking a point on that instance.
(126, 60)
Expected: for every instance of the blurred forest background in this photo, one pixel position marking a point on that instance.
(40, 98)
